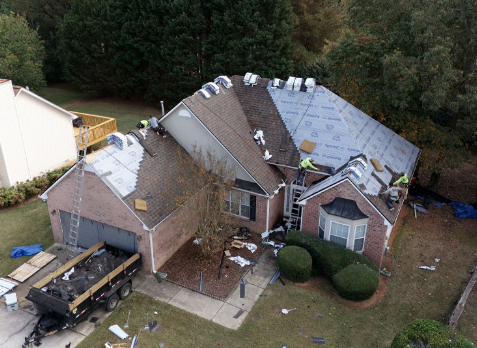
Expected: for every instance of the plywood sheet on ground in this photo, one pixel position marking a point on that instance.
(32, 266)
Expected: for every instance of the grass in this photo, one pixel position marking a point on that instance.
(19, 226)
(411, 294)
(126, 113)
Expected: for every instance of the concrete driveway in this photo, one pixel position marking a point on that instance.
(19, 324)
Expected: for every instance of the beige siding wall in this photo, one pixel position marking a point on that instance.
(188, 131)
(47, 132)
(11, 143)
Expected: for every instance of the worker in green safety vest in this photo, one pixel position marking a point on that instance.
(142, 124)
(306, 163)
(402, 181)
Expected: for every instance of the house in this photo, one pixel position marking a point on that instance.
(114, 178)
(36, 136)
(338, 202)
(291, 114)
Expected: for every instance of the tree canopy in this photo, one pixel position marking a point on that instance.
(21, 52)
(412, 66)
(169, 48)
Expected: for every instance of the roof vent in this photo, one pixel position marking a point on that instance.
(290, 83)
(246, 78)
(254, 80)
(297, 84)
(211, 87)
(204, 93)
(224, 80)
(310, 84)
(275, 83)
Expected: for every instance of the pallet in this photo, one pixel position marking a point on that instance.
(32, 266)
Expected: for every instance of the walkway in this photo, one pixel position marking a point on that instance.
(218, 311)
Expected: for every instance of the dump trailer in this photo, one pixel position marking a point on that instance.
(100, 276)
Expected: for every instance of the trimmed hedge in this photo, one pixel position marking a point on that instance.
(24, 190)
(328, 258)
(295, 263)
(431, 334)
(356, 282)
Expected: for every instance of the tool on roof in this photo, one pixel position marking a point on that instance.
(81, 149)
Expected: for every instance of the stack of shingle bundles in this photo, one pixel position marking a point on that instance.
(224, 80)
(117, 138)
(310, 84)
(211, 87)
(297, 84)
(254, 80)
(290, 83)
(275, 83)
(203, 93)
(246, 78)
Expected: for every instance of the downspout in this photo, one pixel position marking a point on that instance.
(268, 214)
(152, 252)
(162, 107)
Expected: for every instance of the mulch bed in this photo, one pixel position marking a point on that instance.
(185, 265)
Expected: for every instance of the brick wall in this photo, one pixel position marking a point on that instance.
(259, 225)
(276, 208)
(101, 204)
(290, 173)
(375, 232)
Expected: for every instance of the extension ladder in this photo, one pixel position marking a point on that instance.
(78, 189)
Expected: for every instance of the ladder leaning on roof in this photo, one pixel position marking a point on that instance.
(82, 146)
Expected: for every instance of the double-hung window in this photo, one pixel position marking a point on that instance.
(339, 234)
(238, 203)
(359, 238)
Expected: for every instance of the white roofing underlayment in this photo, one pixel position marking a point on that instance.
(341, 131)
(118, 168)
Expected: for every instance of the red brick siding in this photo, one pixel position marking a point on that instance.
(259, 225)
(276, 208)
(375, 232)
(101, 204)
(290, 173)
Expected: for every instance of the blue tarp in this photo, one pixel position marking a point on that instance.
(435, 203)
(26, 250)
(464, 210)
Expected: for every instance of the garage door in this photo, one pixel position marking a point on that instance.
(92, 232)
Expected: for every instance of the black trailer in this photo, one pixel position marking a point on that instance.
(102, 275)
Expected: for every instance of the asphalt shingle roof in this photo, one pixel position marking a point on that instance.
(224, 117)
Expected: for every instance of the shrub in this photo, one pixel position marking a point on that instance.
(328, 258)
(27, 189)
(430, 334)
(356, 282)
(295, 263)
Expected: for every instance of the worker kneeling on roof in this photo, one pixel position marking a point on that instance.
(142, 124)
(306, 163)
(156, 127)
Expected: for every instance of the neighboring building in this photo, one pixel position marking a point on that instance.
(36, 136)
(338, 202)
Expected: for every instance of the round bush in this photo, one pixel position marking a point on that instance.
(294, 263)
(429, 333)
(356, 282)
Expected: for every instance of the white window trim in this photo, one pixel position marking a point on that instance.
(229, 211)
(339, 223)
(319, 223)
(364, 238)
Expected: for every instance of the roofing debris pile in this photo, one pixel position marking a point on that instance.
(85, 274)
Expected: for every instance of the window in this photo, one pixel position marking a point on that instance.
(339, 234)
(238, 203)
(322, 226)
(359, 238)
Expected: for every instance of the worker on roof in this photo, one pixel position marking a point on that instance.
(156, 127)
(142, 124)
(306, 163)
(393, 193)
(402, 181)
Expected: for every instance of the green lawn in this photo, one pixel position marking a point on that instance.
(26, 225)
(126, 113)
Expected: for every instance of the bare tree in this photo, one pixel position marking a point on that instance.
(207, 181)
